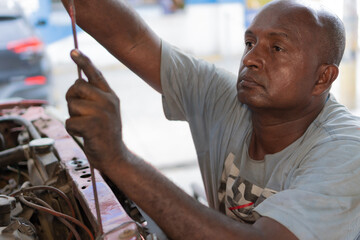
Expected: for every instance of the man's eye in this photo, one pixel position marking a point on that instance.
(249, 44)
(278, 49)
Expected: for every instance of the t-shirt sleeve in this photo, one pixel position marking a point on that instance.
(323, 199)
(206, 97)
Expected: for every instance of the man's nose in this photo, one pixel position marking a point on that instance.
(254, 58)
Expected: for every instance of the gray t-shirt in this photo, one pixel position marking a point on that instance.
(311, 187)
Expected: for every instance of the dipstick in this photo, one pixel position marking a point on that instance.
(73, 24)
(93, 180)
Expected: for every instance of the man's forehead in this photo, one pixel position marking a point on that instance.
(276, 33)
(287, 19)
(283, 31)
(276, 29)
(290, 11)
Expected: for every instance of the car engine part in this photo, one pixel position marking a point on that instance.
(45, 183)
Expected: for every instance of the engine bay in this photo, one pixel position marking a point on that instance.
(45, 183)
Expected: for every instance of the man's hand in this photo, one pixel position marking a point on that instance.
(94, 112)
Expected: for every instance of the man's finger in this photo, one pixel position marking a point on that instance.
(75, 126)
(80, 107)
(94, 76)
(84, 90)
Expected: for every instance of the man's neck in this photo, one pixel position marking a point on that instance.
(273, 134)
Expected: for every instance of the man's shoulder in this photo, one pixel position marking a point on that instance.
(336, 122)
(178, 59)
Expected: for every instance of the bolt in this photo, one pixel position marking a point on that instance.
(127, 234)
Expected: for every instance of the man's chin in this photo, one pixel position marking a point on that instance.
(241, 100)
(245, 99)
(251, 101)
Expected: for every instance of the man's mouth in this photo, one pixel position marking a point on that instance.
(247, 82)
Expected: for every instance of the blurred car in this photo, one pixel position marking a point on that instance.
(25, 70)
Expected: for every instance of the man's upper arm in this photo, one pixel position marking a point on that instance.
(144, 59)
(141, 54)
(272, 229)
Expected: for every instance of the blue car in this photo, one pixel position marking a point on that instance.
(25, 70)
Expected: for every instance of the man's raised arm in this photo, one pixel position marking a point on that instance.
(124, 34)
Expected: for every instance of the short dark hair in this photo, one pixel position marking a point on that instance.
(333, 37)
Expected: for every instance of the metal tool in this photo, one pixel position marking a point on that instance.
(73, 24)
(97, 206)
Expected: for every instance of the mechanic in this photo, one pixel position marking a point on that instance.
(278, 154)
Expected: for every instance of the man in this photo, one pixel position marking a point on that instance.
(278, 155)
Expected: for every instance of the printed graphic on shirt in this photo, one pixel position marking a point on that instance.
(238, 197)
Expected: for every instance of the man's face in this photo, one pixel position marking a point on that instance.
(280, 62)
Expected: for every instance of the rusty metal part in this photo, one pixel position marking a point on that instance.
(18, 229)
(13, 155)
(96, 198)
(22, 121)
(45, 160)
(6, 205)
(73, 158)
(21, 104)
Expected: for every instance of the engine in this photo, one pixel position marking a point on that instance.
(45, 183)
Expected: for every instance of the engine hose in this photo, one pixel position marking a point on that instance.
(2, 142)
(13, 155)
(22, 121)
(57, 214)
(49, 188)
(66, 223)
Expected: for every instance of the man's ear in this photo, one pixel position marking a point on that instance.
(327, 75)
